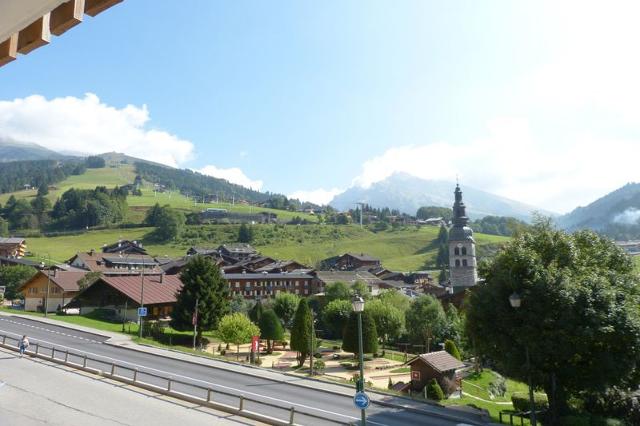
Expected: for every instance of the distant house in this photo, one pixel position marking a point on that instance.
(124, 247)
(116, 264)
(15, 261)
(122, 294)
(324, 278)
(237, 251)
(248, 265)
(63, 286)
(433, 365)
(283, 266)
(352, 261)
(13, 247)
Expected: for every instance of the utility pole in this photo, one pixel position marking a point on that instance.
(46, 300)
(195, 323)
(141, 297)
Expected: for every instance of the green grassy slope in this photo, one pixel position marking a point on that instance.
(407, 249)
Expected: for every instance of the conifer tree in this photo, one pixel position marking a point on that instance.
(270, 328)
(301, 331)
(255, 313)
(202, 282)
(452, 349)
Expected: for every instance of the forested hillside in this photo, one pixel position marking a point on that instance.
(16, 174)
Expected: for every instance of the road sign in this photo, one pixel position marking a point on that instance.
(361, 400)
(142, 312)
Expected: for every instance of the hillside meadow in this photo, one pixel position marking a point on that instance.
(407, 249)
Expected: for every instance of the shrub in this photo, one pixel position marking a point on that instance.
(520, 401)
(498, 386)
(223, 352)
(390, 384)
(317, 355)
(319, 366)
(258, 361)
(336, 347)
(434, 391)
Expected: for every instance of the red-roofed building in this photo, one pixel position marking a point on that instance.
(123, 295)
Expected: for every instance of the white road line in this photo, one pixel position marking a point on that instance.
(241, 392)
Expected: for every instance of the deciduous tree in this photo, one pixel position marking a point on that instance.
(270, 328)
(285, 305)
(238, 329)
(369, 334)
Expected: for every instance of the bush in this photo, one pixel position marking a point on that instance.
(498, 386)
(319, 366)
(615, 402)
(390, 384)
(434, 391)
(258, 361)
(520, 401)
(335, 347)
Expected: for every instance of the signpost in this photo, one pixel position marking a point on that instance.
(142, 312)
(361, 400)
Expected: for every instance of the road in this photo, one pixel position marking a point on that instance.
(34, 392)
(327, 408)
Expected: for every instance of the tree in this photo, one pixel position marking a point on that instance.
(255, 313)
(245, 234)
(335, 316)
(285, 305)
(425, 320)
(4, 228)
(337, 290)
(13, 277)
(389, 320)
(396, 299)
(43, 190)
(153, 215)
(432, 211)
(95, 162)
(238, 329)
(301, 331)
(88, 279)
(361, 289)
(202, 282)
(270, 328)
(443, 277)
(578, 318)
(443, 235)
(442, 258)
(169, 224)
(239, 304)
(369, 334)
(452, 349)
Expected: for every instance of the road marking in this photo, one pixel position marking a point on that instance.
(241, 392)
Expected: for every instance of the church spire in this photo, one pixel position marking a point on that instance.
(460, 218)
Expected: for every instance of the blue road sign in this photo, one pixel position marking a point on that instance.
(142, 312)
(361, 400)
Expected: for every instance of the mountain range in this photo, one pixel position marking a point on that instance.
(408, 193)
(11, 150)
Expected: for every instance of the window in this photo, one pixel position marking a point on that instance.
(55, 290)
(464, 251)
(306, 291)
(457, 263)
(457, 251)
(237, 284)
(297, 291)
(33, 290)
(464, 262)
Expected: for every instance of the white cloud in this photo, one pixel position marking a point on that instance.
(630, 216)
(510, 161)
(317, 196)
(87, 125)
(233, 175)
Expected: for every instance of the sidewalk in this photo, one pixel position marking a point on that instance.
(124, 341)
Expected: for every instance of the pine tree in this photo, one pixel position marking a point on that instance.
(443, 277)
(442, 259)
(270, 328)
(434, 391)
(443, 235)
(202, 282)
(452, 349)
(301, 331)
(43, 190)
(369, 334)
(245, 234)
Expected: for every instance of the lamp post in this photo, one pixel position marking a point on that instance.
(46, 300)
(515, 300)
(358, 306)
(141, 297)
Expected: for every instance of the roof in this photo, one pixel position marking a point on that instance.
(96, 262)
(440, 361)
(18, 261)
(347, 276)
(12, 240)
(362, 256)
(238, 248)
(124, 246)
(67, 281)
(157, 288)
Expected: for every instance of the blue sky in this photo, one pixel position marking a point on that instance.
(531, 100)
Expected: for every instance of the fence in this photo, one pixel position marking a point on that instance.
(228, 402)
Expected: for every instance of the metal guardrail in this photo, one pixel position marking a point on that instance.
(164, 385)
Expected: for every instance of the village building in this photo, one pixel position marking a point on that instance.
(249, 265)
(13, 247)
(18, 261)
(237, 251)
(266, 285)
(462, 248)
(438, 365)
(124, 294)
(116, 264)
(124, 247)
(62, 287)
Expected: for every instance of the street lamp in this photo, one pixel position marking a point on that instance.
(515, 300)
(358, 306)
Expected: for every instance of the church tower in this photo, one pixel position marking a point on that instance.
(462, 248)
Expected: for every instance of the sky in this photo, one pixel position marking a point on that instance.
(538, 101)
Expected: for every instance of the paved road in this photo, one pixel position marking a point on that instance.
(34, 392)
(327, 408)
